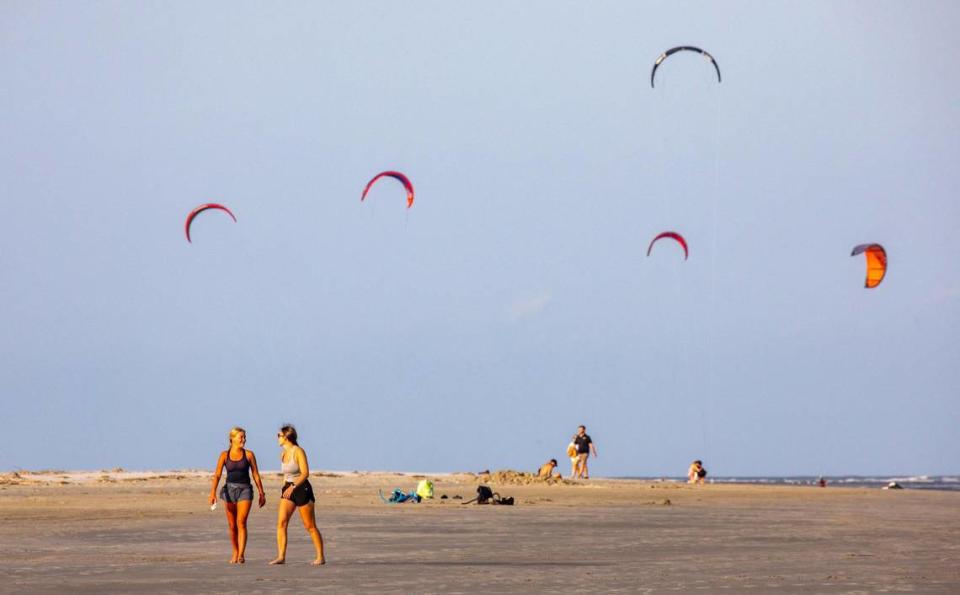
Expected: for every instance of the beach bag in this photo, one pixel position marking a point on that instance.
(571, 450)
(425, 489)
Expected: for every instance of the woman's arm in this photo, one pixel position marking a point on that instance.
(256, 476)
(216, 477)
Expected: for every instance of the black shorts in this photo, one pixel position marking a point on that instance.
(302, 494)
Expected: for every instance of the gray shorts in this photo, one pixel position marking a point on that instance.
(235, 492)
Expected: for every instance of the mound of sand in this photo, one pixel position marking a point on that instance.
(511, 477)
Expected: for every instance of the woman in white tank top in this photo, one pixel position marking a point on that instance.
(295, 493)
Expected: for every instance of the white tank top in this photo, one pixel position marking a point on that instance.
(291, 469)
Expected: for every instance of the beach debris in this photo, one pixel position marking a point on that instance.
(893, 486)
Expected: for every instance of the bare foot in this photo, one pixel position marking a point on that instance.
(319, 562)
(241, 560)
(277, 561)
(233, 560)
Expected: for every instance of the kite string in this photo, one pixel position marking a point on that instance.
(712, 308)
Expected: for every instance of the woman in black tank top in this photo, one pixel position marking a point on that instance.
(237, 493)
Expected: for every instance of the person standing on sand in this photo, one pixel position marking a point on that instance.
(295, 493)
(237, 493)
(584, 445)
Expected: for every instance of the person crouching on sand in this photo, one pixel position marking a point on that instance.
(237, 493)
(295, 493)
(696, 473)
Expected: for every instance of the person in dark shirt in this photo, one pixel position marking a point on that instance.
(584, 445)
(237, 492)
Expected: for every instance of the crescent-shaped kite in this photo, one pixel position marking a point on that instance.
(680, 48)
(673, 236)
(876, 263)
(397, 176)
(200, 209)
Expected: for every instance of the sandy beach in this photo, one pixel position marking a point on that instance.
(153, 532)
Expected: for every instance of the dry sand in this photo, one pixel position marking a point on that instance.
(142, 532)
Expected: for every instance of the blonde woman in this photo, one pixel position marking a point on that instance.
(295, 493)
(237, 493)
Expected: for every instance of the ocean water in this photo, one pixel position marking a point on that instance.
(914, 482)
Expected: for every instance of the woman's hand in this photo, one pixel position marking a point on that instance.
(287, 493)
(263, 499)
(213, 499)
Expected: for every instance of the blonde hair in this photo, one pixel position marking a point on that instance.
(233, 434)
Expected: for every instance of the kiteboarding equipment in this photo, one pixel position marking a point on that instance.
(425, 489)
(200, 209)
(876, 258)
(680, 48)
(397, 176)
(399, 496)
(673, 236)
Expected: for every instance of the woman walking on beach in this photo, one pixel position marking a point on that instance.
(295, 493)
(237, 493)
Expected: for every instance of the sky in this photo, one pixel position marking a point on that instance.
(515, 299)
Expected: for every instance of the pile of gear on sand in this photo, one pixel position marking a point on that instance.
(425, 491)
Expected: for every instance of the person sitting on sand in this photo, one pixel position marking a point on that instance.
(546, 470)
(295, 493)
(696, 473)
(237, 493)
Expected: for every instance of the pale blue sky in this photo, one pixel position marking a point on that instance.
(514, 300)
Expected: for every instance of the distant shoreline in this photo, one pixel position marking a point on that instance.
(915, 482)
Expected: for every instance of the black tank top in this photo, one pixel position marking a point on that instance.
(237, 471)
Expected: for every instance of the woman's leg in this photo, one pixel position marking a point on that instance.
(284, 510)
(310, 524)
(231, 509)
(243, 509)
